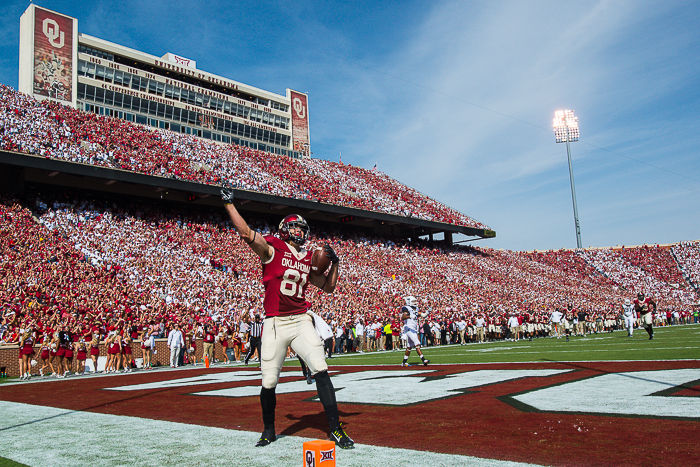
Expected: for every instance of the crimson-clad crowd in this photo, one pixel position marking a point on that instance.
(99, 269)
(55, 131)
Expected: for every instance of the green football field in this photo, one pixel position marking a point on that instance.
(669, 343)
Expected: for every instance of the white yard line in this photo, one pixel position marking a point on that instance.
(65, 437)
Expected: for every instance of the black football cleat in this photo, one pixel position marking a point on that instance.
(266, 438)
(425, 362)
(340, 438)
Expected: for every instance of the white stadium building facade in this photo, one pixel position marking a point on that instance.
(57, 62)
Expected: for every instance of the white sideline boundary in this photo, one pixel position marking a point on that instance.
(68, 437)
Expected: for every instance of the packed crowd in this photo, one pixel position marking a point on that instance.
(54, 131)
(98, 268)
(688, 256)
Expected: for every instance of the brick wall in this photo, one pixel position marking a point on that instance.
(9, 355)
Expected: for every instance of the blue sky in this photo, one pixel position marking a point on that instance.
(456, 98)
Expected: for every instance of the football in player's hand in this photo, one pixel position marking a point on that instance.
(320, 261)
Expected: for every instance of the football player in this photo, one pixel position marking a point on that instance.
(286, 268)
(409, 316)
(629, 315)
(643, 306)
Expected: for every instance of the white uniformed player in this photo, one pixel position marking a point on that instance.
(556, 322)
(630, 316)
(409, 315)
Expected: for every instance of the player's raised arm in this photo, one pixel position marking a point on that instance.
(327, 282)
(254, 240)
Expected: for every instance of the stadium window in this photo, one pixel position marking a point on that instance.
(175, 127)
(109, 75)
(169, 112)
(126, 101)
(160, 88)
(207, 134)
(118, 77)
(100, 73)
(117, 99)
(99, 95)
(152, 86)
(160, 110)
(141, 119)
(135, 82)
(169, 91)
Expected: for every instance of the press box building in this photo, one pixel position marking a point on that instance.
(57, 62)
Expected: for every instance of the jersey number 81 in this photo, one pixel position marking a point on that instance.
(293, 283)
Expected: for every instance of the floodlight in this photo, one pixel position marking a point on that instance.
(566, 130)
(565, 125)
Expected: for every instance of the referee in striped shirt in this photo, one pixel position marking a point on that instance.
(254, 339)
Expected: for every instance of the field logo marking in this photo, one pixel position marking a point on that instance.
(211, 378)
(405, 387)
(636, 393)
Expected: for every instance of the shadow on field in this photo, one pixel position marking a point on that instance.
(313, 420)
(691, 386)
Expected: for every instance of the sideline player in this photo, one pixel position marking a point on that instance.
(643, 307)
(286, 269)
(409, 315)
(629, 315)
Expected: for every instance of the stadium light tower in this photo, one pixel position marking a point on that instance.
(566, 131)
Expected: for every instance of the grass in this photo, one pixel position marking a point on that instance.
(669, 343)
(4, 462)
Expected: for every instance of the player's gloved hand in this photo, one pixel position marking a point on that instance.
(227, 195)
(331, 254)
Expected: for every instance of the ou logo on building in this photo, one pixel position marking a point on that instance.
(52, 32)
(299, 107)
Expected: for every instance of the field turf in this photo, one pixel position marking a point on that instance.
(669, 343)
(590, 400)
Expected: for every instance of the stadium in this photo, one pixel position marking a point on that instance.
(113, 234)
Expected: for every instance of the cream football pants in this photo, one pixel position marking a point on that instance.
(280, 332)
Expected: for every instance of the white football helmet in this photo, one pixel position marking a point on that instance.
(410, 301)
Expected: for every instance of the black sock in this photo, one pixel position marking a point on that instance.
(405, 358)
(650, 331)
(422, 357)
(268, 402)
(326, 393)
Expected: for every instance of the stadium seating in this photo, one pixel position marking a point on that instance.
(54, 131)
(96, 263)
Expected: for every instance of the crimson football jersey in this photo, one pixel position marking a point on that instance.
(644, 307)
(285, 277)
